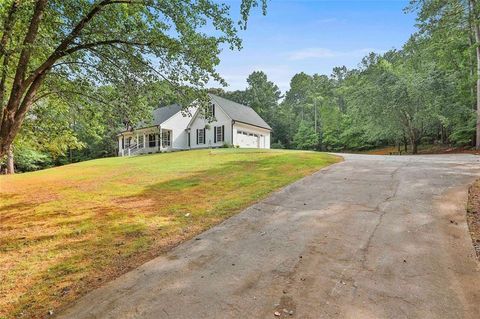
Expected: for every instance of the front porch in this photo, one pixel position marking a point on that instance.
(144, 141)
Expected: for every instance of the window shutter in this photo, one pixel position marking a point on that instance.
(213, 110)
(214, 134)
(204, 137)
(223, 133)
(197, 136)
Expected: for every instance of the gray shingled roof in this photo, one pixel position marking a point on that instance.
(162, 114)
(239, 112)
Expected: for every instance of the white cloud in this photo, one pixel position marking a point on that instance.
(323, 53)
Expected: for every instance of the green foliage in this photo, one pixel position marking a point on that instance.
(306, 138)
(28, 158)
(277, 145)
(226, 145)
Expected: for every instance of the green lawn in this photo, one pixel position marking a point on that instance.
(67, 230)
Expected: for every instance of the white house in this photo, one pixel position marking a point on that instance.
(176, 129)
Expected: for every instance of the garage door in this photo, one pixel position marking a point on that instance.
(247, 139)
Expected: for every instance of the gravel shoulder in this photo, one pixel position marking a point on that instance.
(473, 215)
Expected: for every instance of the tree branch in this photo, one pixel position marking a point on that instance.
(27, 47)
(7, 27)
(59, 92)
(99, 43)
(7, 30)
(62, 48)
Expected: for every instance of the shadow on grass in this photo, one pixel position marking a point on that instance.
(130, 230)
(205, 188)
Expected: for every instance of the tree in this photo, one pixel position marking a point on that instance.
(107, 42)
(306, 138)
(297, 96)
(263, 95)
(448, 22)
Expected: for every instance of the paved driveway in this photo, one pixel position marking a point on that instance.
(371, 237)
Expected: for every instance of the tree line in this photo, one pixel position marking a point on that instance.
(426, 92)
(74, 73)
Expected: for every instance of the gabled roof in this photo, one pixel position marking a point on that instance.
(239, 112)
(162, 114)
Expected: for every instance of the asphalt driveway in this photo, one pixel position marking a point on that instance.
(371, 237)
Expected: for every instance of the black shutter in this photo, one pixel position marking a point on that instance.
(204, 137)
(213, 110)
(197, 136)
(214, 134)
(223, 133)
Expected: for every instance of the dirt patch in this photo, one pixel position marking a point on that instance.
(473, 215)
(422, 149)
(286, 308)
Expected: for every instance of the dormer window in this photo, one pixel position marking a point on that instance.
(211, 110)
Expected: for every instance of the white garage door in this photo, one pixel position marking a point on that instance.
(248, 139)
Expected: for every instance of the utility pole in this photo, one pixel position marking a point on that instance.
(315, 110)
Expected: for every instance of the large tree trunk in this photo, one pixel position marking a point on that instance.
(10, 161)
(414, 147)
(413, 141)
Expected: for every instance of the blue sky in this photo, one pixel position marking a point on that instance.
(313, 36)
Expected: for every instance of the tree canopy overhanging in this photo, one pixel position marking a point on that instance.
(57, 49)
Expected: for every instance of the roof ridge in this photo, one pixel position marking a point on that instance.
(240, 112)
(232, 101)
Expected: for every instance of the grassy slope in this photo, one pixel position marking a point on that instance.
(66, 230)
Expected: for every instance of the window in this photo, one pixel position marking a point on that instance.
(212, 110)
(244, 133)
(219, 133)
(201, 136)
(166, 138)
(151, 140)
(239, 132)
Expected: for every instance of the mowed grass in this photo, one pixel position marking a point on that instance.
(67, 230)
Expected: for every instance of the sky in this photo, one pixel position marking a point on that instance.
(313, 36)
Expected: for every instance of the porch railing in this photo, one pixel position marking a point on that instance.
(131, 150)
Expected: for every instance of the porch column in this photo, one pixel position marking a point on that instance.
(137, 139)
(160, 142)
(144, 141)
(119, 145)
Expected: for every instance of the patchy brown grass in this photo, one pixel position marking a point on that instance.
(66, 230)
(473, 215)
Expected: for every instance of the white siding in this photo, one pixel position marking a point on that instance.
(200, 122)
(180, 123)
(177, 124)
(249, 136)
